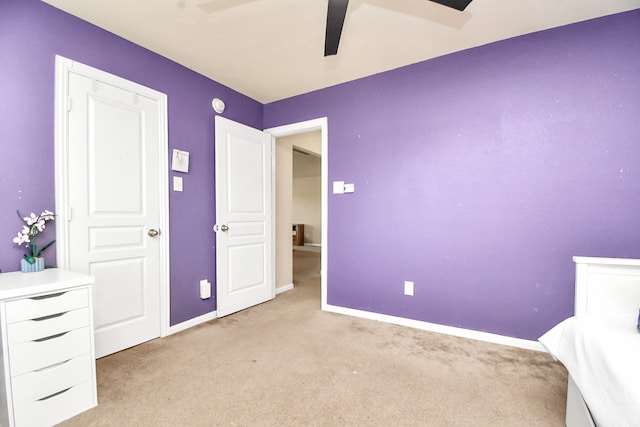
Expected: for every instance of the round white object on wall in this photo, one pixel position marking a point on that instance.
(218, 105)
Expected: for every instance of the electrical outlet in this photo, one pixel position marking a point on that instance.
(408, 288)
(205, 289)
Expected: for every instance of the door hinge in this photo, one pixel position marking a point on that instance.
(68, 103)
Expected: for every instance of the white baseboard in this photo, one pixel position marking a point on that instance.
(212, 315)
(192, 322)
(312, 244)
(417, 324)
(284, 288)
(442, 329)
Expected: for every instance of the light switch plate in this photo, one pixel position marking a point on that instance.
(349, 188)
(177, 183)
(338, 187)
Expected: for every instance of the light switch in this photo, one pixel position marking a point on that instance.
(338, 187)
(349, 188)
(177, 183)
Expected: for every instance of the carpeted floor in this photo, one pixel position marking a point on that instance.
(286, 362)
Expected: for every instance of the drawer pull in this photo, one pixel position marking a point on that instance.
(48, 296)
(54, 394)
(46, 368)
(52, 316)
(51, 337)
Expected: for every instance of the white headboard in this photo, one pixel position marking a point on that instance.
(607, 286)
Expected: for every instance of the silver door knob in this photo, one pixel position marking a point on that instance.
(153, 233)
(224, 227)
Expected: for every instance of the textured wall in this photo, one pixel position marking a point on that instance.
(31, 34)
(480, 174)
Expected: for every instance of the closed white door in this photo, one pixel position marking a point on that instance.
(244, 217)
(113, 208)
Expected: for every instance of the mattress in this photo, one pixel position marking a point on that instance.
(602, 356)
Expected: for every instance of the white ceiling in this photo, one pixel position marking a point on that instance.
(273, 49)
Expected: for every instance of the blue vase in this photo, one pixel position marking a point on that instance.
(38, 265)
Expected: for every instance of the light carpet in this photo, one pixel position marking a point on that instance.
(287, 363)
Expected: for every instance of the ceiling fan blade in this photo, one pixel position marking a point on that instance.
(336, 12)
(456, 4)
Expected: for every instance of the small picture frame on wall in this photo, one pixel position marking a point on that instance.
(180, 161)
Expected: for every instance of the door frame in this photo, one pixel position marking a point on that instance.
(64, 66)
(322, 125)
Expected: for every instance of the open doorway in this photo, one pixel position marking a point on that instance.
(298, 210)
(306, 206)
(300, 199)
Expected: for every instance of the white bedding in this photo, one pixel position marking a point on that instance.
(603, 357)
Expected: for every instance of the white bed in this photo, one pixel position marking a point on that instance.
(600, 344)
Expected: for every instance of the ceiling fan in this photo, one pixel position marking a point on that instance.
(337, 10)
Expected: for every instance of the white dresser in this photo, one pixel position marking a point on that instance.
(48, 361)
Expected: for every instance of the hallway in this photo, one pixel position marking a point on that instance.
(306, 272)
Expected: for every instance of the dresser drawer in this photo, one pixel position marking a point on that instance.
(34, 355)
(56, 408)
(46, 305)
(48, 381)
(30, 330)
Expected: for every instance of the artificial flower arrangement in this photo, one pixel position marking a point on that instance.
(27, 237)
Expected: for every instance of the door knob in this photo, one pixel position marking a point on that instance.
(222, 227)
(153, 232)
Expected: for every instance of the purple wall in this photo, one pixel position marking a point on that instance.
(31, 34)
(479, 175)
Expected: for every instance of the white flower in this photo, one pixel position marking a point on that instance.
(35, 225)
(47, 215)
(31, 219)
(21, 238)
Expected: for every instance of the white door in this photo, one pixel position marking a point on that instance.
(244, 217)
(113, 207)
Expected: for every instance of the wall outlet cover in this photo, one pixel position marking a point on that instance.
(205, 289)
(408, 288)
